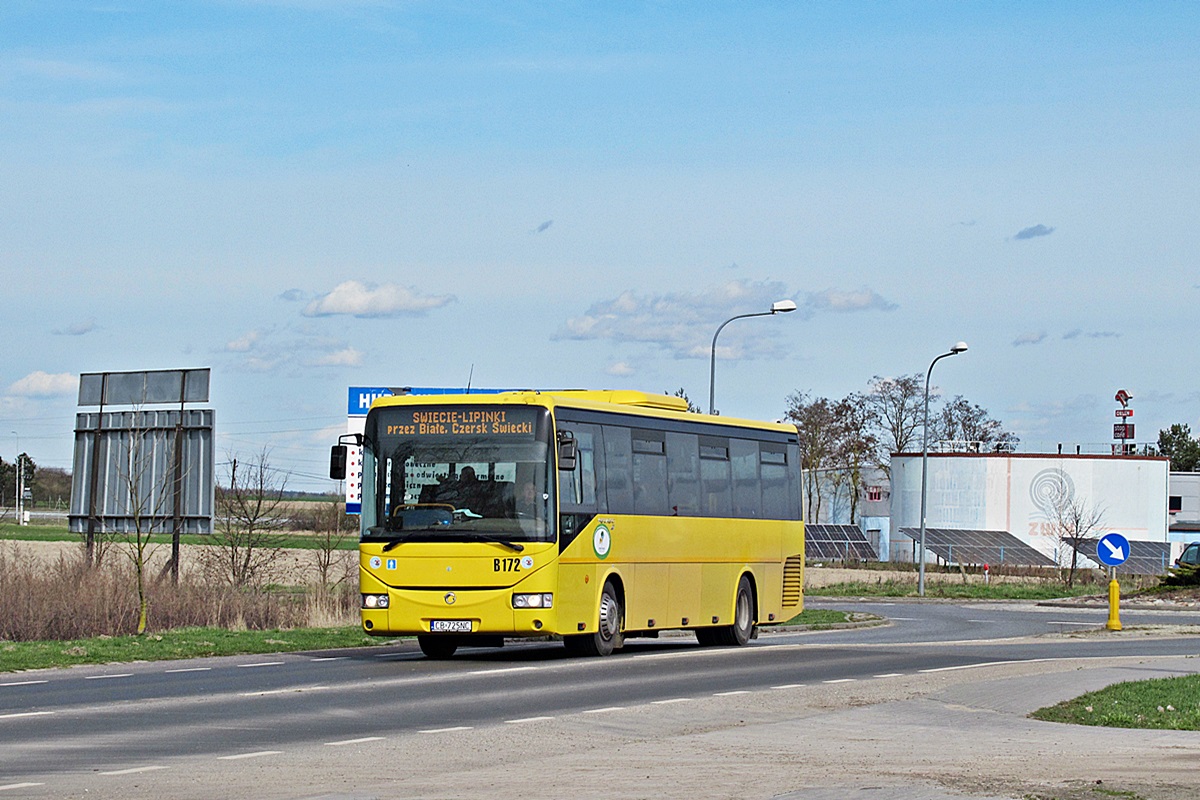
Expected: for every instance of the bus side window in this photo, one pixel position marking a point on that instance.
(578, 487)
(774, 480)
(618, 470)
(650, 473)
(747, 494)
(683, 474)
(716, 485)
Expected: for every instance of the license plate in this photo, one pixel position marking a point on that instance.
(450, 626)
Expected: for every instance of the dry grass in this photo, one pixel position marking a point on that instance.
(62, 598)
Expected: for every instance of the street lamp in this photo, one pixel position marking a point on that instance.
(778, 307)
(961, 347)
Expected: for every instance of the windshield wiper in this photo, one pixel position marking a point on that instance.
(396, 541)
(487, 537)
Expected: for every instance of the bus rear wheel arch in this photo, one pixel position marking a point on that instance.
(609, 635)
(744, 612)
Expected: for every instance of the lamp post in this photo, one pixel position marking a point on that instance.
(778, 307)
(19, 487)
(961, 347)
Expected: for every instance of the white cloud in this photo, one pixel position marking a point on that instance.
(346, 357)
(621, 369)
(1031, 337)
(685, 323)
(243, 344)
(368, 300)
(42, 384)
(78, 328)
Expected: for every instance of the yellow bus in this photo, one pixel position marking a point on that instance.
(596, 516)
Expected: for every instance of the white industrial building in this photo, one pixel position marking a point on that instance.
(1018, 495)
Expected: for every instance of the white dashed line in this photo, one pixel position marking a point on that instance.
(363, 740)
(291, 690)
(604, 710)
(26, 714)
(188, 669)
(840, 680)
(134, 770)
(24, 683)
(447, 730)
(527, 719)
(256, 754)
(104, 677)
(501, 671)
(730, 694)
(672, 700)
(891, 675)
(262, 664)
(9, 786)
(329, 658)
(788, 686)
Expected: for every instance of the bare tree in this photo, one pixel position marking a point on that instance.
(856, 443)
(961, 421)
(248, 539)
(817, 426)
(897, 406)
(1077, 524)
(333, 528)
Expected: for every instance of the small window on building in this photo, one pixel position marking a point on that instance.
(1175, 504)
(875, 493)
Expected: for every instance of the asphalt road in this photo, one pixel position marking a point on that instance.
(83, 730)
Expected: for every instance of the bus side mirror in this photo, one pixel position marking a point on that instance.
(337, 462)
(567, 451)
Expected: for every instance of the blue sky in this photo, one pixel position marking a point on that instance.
(307, 195)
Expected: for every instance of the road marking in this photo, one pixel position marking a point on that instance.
(840, 680)
(672, 700)
(189, 669)
(982, 621)
(989, 664)
(262, 664)
(527, 719)
(501, 671)
(134, 770)
(1059, 622)
(904, 619)
(788, 686)
(447, 730)
(105, 677)
(329, 658)
(363, 740)
(256, 754)
(24, 683)
(26, 714)
(730, 694)
(891, 675)
(604, 710)
(290, 690)
(8, 786)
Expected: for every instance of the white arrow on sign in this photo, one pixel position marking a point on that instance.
(1114, 552)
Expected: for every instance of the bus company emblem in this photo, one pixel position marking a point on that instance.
(601, 541)
(450, 598)
(527, 562)
(376, 562)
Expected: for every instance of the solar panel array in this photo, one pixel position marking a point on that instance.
(979, 547)
(1145, 558)
(837, 542)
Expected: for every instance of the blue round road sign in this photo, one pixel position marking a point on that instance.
(1112, 549)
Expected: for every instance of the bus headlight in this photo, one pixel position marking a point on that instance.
(545, 600)
(374, 601)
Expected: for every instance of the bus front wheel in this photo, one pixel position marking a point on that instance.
(742, 629)
(608, 636)
(438, 647)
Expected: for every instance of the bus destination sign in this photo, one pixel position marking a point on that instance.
(518, 422)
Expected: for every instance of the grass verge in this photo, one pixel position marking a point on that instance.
(59, 533)
(1162, 703)
(819, 619)
(179, 643)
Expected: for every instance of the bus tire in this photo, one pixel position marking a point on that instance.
(608, 636)
(742, 629)
(439, 647)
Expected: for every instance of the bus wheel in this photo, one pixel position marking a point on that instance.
(608, 636)
(742, 629)
(438, 646)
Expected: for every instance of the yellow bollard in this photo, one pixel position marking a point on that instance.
(1114, 600)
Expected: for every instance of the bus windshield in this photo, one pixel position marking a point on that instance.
(458, 473)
